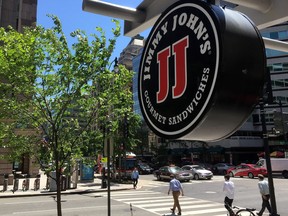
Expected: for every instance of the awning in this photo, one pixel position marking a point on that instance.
(277, 154)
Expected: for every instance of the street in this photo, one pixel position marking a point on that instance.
(202, 198)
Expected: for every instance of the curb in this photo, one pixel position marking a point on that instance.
(63, 192)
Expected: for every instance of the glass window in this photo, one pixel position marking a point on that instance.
(265, 34)
(274, 35)
(256, 118)
(282, 35)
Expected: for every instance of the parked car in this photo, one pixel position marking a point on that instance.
(206, 166)
(144, 168)
(164, 173)
(198, 172)
(221, 168)
(250, 170)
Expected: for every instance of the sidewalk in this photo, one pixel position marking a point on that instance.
(82, 187)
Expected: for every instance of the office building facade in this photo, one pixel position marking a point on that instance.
(17, 13)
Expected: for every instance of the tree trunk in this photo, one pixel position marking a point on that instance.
(59, 186)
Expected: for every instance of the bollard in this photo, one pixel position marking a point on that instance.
(48, 183)
(5, 185)
(37, 183)
(16, 184)
(103, 182)
(27, 184)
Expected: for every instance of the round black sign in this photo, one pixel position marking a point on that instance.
(179, 69)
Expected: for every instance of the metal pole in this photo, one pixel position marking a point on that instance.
(268, 161)
(108, 175)
(283, 122)
(113, 10)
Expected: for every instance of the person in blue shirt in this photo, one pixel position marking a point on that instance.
(176, 187)
(135, 177)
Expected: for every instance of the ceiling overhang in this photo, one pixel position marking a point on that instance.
(264, 13)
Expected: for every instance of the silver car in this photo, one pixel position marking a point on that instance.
(166, 171)
(198, 172)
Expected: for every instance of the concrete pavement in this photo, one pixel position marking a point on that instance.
(82, 187)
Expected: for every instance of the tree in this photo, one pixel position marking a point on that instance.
(55, 97)
(143, 134)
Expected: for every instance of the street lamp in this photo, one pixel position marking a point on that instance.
(283, 123)
(268, 161)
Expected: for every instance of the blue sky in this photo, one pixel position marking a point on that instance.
(73, 17)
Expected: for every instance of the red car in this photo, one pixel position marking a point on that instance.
(250, 170)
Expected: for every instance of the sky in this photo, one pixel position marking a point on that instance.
(73, 17)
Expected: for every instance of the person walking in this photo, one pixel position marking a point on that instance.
(265, 194)
(135, 177)
(176, 187)
(228, 188)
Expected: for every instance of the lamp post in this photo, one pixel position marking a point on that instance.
(125, 140)
(268, 161)
(283, 121)
(108, 139)
(108, 171)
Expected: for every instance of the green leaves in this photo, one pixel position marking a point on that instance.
(66, 94)
(50, 88)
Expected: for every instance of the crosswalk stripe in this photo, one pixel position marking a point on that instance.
(147, 200)
(165, 204)
(133, 193)
(157, 199)
(187, 207)
(205, 211)
(150, 199)
(126, 193)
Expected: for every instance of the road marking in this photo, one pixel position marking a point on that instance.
(205, 211)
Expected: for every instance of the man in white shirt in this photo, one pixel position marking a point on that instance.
(228, 188)
(264, 191)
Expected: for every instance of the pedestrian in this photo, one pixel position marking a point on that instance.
(135, 177)
(176, 187)
(228, 188)
(265, 194)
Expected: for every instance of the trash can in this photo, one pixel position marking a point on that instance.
(52, 182)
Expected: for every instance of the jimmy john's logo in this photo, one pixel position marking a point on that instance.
(178, 69)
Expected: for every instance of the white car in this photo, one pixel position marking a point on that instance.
(198, 172)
